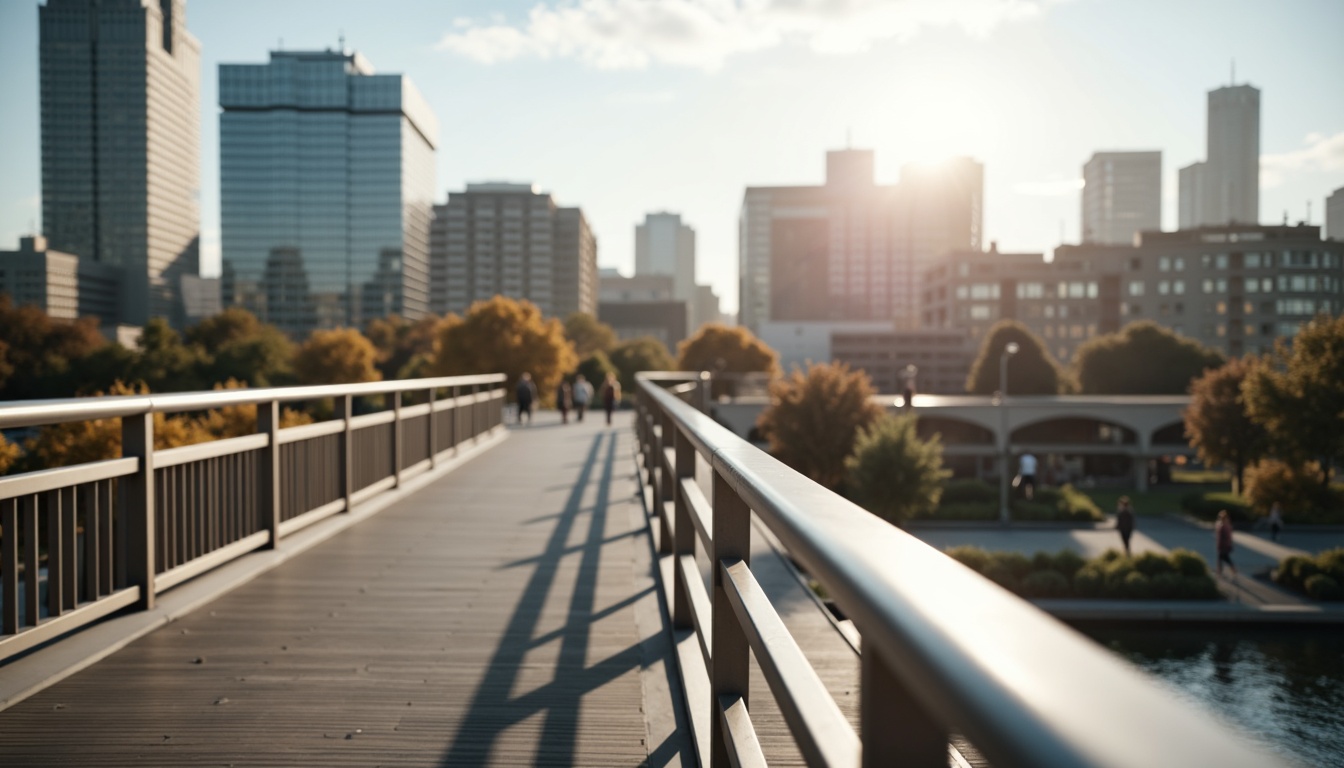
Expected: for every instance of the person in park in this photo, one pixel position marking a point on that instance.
(611, 395)
(527, 395)
(1124, 521)
(1026, 470)
(562, 396)
(1275, 520)
(1222, 538)
(583, 393)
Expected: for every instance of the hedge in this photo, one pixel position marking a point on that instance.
(976, 500)
(1320, 577)
(1206, 506)
(1180, 575)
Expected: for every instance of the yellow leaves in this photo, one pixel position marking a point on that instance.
(720, 348)
(507, 336)
(339, 356)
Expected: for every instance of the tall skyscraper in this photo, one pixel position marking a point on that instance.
(511, 240)
(120, 93)
(1122, 195)
(664, 245)
(1225, 188)
(851, 249)
(326, 190)
(1334, 215)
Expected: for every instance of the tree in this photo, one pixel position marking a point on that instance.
(236, 345)
(1296, 393)
(588, 334)
(1217, 421)
(893, 473)
(643, 354)
(814, 418)
(42, 354)
(595, 368)
(164, 363)
(338, 356)
(9, 454)
(721, 349)
(1142, 359)
(404, 347)
(1032, 371)
(506, 336)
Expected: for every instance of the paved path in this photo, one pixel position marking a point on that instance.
(504, 615)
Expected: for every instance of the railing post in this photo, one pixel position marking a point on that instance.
(345, 409)
(894, 728)
(396, 439)
(268, 481)
(137, 440)
(666, 482)
(683, 531)
(456, 421)
(730, 654)
(432, 432)
(472, 408)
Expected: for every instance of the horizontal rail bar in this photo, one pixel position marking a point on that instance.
(56, 626)
(373, 419)
(172, 457)
(702, 514)
(411, 411)
(30, 483)
(1024, 693)
(744, 749)
(295, 524)
(209, 561)
(701, 608)
(310, 431)
(818, 726)
(31, 413)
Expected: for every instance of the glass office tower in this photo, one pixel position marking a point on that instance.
(120, 97)
(326, 191)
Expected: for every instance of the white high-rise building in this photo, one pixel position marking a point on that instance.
(1334, 215)
(1225, 188)
(121, 144)
(1190, 205)
(1122, 195)
(664, 245)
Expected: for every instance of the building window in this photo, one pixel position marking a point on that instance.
(1091, 290)
(980, 312)
(1220, 261)
(1222, 330)
(1221, 308)
(1178, 287)
(1135, 287)
(1135, 264)
(1252, 261)
(1208, 285)
(1164, 264)
(1179, 264)
(1248, 308)
(1049, 311)
(1221, 284)
(1163, 287)
(961, 292)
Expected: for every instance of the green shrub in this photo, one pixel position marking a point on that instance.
(1068, 562)
(1137, 586)
(1151, 564)
(1331, 563)
(1046, 583)
(1188, 563)
(1016, 563)
(1089, 581)
(1293, 572)
(998, 572)
(1035, 511)
(1166, 586)
(1206, 506)
(964, 511)
(974, 558)
(1322, 587)
(1042, 561)
(1200, 587)
(1078, 505)
(1110, 555)
(969, 492)
(1117, 571)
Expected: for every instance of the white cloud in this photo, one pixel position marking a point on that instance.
(703, 34)
(1053, 188)
(1321, 153)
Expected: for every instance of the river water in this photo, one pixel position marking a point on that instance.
(1281, 687)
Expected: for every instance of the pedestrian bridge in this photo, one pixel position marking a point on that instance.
(411, 582)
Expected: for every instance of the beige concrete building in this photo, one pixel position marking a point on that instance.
(60, 284)
(1122, 196)
(511, 240)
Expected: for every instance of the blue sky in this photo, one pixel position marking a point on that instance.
(630, 106)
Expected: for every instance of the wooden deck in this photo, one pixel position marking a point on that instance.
(504, 615)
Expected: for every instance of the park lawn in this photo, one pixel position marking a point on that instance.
(1201, 476)
(1153, 502)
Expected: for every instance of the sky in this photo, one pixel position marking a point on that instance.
(625, 107)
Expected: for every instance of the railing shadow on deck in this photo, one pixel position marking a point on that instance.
(81, 542)
(943, 649)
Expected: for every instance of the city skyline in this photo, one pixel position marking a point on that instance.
(685, 122)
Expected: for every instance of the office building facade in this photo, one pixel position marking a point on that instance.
(664, 245)
(1234, 288)
(1225, 188)
(511, 240)
(120, 113)
(63, 285)
(1334, 215)
(326, 191)
(851, 250)
(1122, 196)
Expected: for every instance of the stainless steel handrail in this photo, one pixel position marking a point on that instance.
(945, 650)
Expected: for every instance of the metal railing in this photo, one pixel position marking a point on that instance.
(944, 650)
(111, 534)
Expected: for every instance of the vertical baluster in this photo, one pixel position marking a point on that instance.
(69, 550)
(181, 504)
(137, 440)
(474, 412)
(729, 670)
(398, 439)
(9, 565)
(892, 723)
(666, 483)
(168, 518)
(163, 511)
(51, 502)
(106, 558)
(344, 410)
(269, 476)
(31, 578)
(431, 431)
(92, 542)
(683, 531)
(456, 435)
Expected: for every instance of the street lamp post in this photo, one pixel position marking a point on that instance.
(1005, 460)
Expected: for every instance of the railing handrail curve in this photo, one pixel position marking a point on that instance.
(28, 413)
(1023, 688)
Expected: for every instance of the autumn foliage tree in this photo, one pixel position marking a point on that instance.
(1218, 424)
(236, 345)
(42, 354)
(643, 354)
(588, 334)
(506, 336)
(338, 356)
(814, 418)
(721, 349)
(1032, 371)
(1298, 395)
(405, 347)
(1142, 359)
(893, 473)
